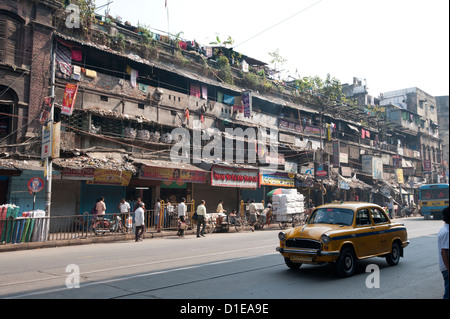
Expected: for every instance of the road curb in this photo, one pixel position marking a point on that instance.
(90, 240)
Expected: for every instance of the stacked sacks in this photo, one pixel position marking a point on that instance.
(287, 203)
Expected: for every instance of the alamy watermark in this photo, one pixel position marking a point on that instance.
(73, 19)
(373, 280)
(73, 279)
(256, 138)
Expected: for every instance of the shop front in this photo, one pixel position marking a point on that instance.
(107, 183)
(172, 181)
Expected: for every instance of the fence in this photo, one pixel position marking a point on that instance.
(14, 230)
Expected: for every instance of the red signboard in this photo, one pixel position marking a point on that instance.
(70, 95)
(234, 177)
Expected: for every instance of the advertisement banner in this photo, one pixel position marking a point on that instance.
(56, 140)
(110, 177)
(247, 101)
(172, 174)
(280, 179)
(70, 95)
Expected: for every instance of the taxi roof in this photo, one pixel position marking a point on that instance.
(348, 205)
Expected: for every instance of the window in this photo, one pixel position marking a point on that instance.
(362, 217)
(103, 98)
(10, 36)
(378, 216)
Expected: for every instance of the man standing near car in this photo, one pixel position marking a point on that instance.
(443, 250)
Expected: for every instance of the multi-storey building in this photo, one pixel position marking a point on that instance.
(416, 114)
(143, 96)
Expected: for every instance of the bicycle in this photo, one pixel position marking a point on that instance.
(239, 223)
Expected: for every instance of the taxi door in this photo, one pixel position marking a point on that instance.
(364, 235)
(382, 239)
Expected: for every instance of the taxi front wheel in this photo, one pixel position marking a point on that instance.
(292, 265)
(346, 263)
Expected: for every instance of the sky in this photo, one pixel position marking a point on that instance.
(389, 44)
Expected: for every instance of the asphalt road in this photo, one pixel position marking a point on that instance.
(220, 266)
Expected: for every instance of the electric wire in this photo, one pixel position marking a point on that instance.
(277, 24)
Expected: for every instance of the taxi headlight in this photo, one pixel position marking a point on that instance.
(325, 239)
(282, 236)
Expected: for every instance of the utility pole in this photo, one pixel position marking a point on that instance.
(48, 160)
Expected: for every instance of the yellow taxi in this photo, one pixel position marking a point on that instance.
(343, 233)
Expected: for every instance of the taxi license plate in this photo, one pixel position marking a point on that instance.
(303, 259)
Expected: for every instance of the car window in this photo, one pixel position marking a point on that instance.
(338, 216)
(378, 216)
(362, 217)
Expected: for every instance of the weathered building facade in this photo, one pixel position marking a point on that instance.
(137, 90)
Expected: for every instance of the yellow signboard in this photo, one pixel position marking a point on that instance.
(110, 177)
(400, 179)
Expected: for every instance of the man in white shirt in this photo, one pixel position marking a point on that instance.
(124, 210)
(201, 216)
(139, 221)
(181, 216)
(443, 250)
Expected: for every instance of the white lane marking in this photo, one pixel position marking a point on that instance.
(139, 276)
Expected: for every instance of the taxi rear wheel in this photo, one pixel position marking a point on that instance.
(292, 265)
(346, 263)
(393, 257)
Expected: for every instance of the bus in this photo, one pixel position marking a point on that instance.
(433, 198)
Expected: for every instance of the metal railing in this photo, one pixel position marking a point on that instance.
(37, 229)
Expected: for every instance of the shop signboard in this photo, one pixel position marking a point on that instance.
(83, 174)
(321, 170)
(172, 174)
(234, 177)
(46, 148)
(280, 179)
(290, 126)
(110, 177)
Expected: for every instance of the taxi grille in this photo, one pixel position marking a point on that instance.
(303, 243)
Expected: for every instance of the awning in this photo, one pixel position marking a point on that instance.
(97, 160)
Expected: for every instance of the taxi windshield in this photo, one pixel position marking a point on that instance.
(337, 216)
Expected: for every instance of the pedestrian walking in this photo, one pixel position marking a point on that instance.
(139, 222)
(181, 216)
(443, 250)
(201, 218)
(101, 206)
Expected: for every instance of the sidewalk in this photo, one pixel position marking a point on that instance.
(99, 239)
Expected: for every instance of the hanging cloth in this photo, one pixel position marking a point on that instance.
(64, 59)
(133, 77)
